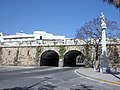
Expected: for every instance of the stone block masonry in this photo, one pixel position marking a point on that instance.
(31, 55)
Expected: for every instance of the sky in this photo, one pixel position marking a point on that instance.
(59, 17)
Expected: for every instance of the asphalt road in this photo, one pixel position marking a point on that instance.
(49, 78)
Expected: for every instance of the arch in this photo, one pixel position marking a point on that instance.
(49, 58)
(70, 58)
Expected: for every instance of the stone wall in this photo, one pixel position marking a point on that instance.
(30, 55)
(18, 56)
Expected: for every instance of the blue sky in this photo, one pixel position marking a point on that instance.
(59, 17)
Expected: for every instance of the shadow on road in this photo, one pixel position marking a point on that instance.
(82, 87)
(115, 75)
(52, 87)
(47, 87)
(42, 87)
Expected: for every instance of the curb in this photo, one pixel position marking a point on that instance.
(106, 81)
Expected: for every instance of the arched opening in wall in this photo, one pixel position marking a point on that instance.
(73, 58)
(49, 58)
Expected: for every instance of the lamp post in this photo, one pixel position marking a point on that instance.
(104, 63)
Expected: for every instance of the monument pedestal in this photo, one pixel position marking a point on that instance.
(104, 68)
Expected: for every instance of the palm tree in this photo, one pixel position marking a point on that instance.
(115, 2)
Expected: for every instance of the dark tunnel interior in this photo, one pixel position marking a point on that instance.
(70, 58)
(49, 58)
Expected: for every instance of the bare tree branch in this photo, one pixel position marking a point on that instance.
(116, 3)
(91, 33)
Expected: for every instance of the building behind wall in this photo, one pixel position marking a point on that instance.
(40, 36)
(21, 36)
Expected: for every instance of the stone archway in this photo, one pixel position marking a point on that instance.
(49, 58)
(70, 58)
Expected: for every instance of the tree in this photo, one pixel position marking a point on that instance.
(118, 35)
(113, 57)
(91, 33)
(115, 2)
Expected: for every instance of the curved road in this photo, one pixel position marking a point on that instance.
(49, 78)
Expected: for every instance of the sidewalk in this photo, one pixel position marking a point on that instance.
(12, 68)
(91, 74)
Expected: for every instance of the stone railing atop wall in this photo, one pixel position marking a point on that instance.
(43, 42)
(52, 42)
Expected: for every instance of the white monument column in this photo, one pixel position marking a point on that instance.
(104, 62)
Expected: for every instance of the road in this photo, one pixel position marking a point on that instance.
(49, 78)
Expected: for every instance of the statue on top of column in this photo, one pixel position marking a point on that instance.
(102, 18)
